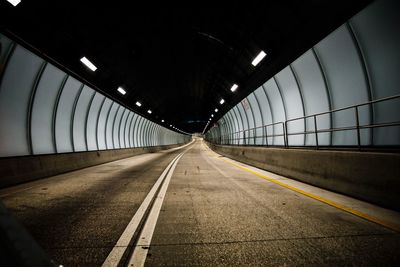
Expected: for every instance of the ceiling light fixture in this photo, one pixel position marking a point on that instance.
(216, 110)
(222, 101)
(14, 2)
(258, 58)
(234, 87)
(212, 115)
(88, 64)
(162, 120)
(149, 111)
(121, 90)
(138, 104)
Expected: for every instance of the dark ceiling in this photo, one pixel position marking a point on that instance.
(179, 61)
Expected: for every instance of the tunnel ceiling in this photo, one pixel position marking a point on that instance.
(178, 61)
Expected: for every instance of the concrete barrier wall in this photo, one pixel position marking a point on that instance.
(370, 176)
(16, 170)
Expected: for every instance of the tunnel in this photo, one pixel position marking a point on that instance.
(255, 133)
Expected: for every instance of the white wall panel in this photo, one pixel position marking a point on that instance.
(138, 131)
(92, 121)
(64, 115)
(293, 105)
(43, 109)
(278, 111)
(132, 130)
(378, 31)
(266, 114)
(127, 129)
(15, 91)
(101, 127)
(248, 114)
(257, 117)
(122, 126)
(342, 64)
(145, 132)
(242, 125)
(80, 116)
(243, 116)
(109, 125)
(316, 98)
(116, 126)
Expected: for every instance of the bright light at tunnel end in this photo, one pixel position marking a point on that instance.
(258, 58)
(14, 2)
(88, 64)
(121, 90)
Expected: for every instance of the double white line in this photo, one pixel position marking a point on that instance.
(139, 254)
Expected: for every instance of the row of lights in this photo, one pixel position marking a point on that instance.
(179, 130)
(121, 90)
(234, 87)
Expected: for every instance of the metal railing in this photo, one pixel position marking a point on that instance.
(278, 134)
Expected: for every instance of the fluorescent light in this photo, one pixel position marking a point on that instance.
(149, 111)
(212, 115)
(88, 64)
(162, 120)
(222, 101)
(170, 125)
(121, 90)
(138, 104)
(14, 2)
(258, 58)
(216, 110)
(234, 87)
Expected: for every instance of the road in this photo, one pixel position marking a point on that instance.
(213, 214)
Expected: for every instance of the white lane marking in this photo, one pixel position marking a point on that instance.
(141, 249)
(118, 250)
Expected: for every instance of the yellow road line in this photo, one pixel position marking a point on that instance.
(392, 226)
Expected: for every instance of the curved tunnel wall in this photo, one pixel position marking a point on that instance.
(357, 63)
(44, 111)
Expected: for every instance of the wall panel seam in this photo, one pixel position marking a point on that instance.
(30, 105)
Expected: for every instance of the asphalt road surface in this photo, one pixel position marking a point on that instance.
(213, 214)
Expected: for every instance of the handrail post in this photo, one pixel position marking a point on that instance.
(254, 135)
(358, 128)
(244, 137)
(316, 131)
(285, 136)
(266, 135)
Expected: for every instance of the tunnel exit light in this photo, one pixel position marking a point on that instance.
(121, 90)
(258, 58)
(14, 2)
(222, 101)
(88, 64)
(138, 104)
(234, 87)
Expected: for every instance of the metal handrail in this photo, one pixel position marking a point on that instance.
(250, 136)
